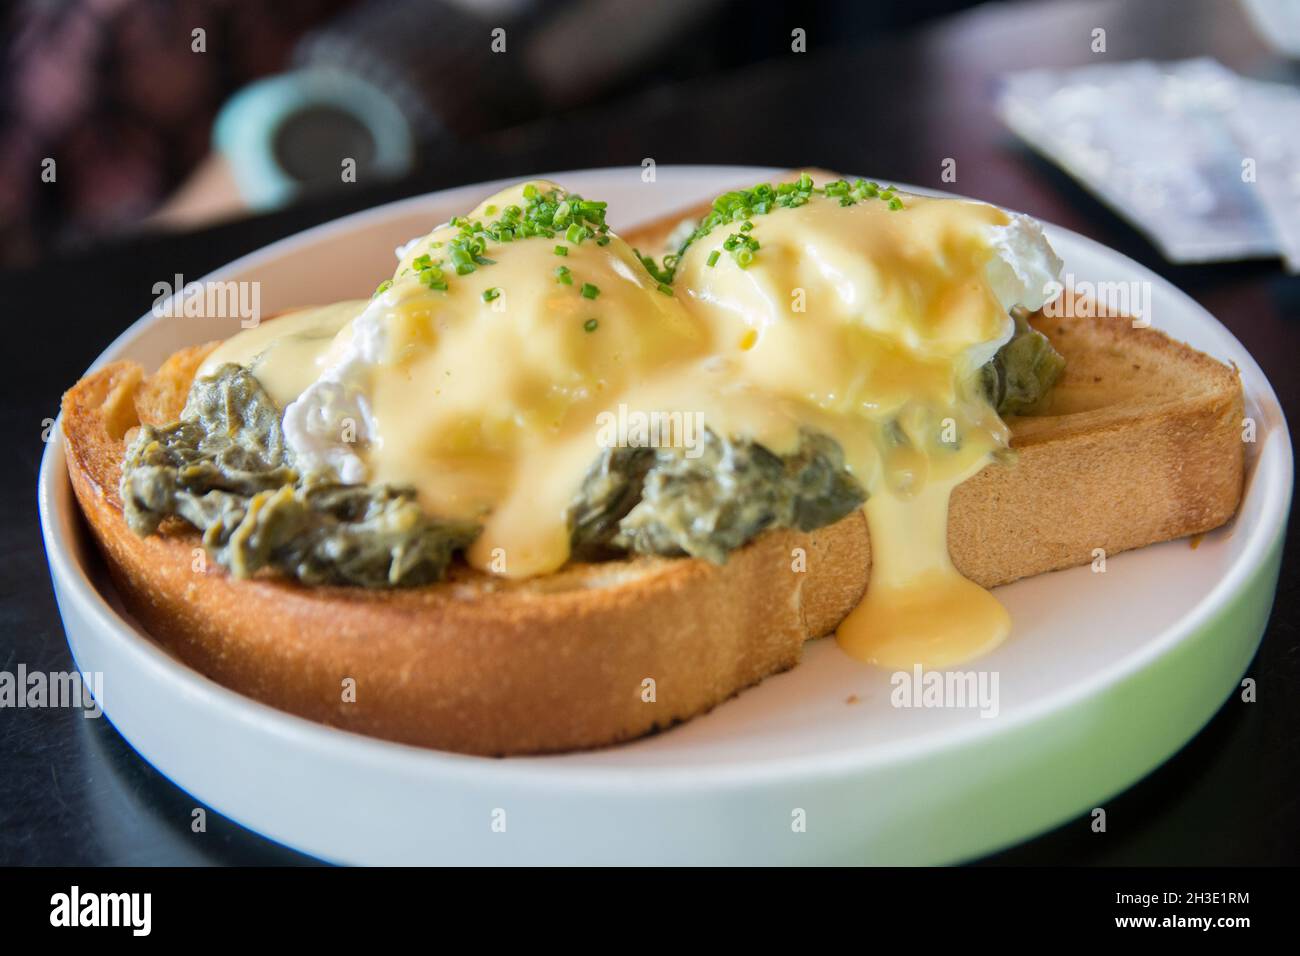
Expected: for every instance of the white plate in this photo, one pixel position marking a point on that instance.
(1105, 675)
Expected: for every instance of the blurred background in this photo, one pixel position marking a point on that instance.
(144, 138)
(123, 118)
(129, 115)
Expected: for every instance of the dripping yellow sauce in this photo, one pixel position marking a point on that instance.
(862, 322)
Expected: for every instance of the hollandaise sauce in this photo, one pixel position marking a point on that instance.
(480, 372)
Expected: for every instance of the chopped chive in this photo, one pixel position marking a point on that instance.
(490, 294)
(665, 288)
(589, 291)
(562, 275)
(713, 258)
(590, 325)
(383, 287)
(543, 213)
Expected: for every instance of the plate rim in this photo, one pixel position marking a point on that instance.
(60, 531)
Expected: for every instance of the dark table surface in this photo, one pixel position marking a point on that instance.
(72, 791)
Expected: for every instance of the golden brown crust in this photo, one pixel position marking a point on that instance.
(475, 664)
(162, 395)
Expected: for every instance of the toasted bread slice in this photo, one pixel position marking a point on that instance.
(1140, 443)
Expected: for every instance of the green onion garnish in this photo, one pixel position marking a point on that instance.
(590, 325)
(741, 205)
(589, 291)
(542, 215)
(742, 247)
(433, 278)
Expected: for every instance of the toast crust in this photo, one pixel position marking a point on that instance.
(1141, 444)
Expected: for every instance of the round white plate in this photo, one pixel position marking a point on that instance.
(1104, 677)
